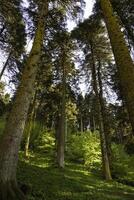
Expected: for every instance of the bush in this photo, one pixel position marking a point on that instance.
(85, 148)
(122, 163)
(45, 141)
(119, 160)
(40, 138)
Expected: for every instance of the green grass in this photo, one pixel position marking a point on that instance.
(73, 183)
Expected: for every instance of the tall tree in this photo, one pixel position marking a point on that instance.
(94, 45)
(124, 9)
(12, 135)
(122, 57)
(13, 35)
(65, 64)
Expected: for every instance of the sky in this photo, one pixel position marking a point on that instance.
(88, 9)
(87, 13)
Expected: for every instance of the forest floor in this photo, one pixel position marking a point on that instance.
(46, 182)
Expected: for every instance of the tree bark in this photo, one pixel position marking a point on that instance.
(61, 134)
(122, 57)
(29, 125)
(106, 127)
(14, 128)
(105, 159)
(66, 133)
(81, 124)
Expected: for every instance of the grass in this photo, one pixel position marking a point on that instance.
(47, 182)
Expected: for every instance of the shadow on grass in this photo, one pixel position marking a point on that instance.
(73, 183)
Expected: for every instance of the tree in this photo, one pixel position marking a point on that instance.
(96, 48)
(122, 57)
(29, 123)
(12, 35)
(65, 65)
(124, 9)
(12, 135)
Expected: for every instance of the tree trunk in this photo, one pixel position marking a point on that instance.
(61, 134)
(105, 159)
(66, 133)
(94, 124)
(106, 127)
(81, 124)
(122, 57)
(14, 128)
(29, 125)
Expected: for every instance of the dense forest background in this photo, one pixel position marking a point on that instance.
(66, 100)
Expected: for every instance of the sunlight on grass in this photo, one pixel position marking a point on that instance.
(47, 182)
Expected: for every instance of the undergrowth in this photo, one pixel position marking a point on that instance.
(46, 182)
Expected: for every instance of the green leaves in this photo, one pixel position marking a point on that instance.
(85, 147)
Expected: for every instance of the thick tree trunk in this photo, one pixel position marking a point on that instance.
(105, 159)
(122, 57)
(12, 136)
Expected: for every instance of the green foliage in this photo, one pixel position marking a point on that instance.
(92, 150)
(4, 99)
(123, 164)
(36, 131)
(45, 141)
(119, 156)
(73, 183)
(76, 147)
(41, 139)
(85, 147)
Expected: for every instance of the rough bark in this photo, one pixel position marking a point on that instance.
(105, 159)
(14, 128)
(122, 57)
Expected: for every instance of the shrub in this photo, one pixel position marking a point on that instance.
(119, 160)
(40, 139)
(85, 147)
(45, 141)
(122, 163)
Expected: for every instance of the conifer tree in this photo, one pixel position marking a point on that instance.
(122, 56)
(12, 135)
